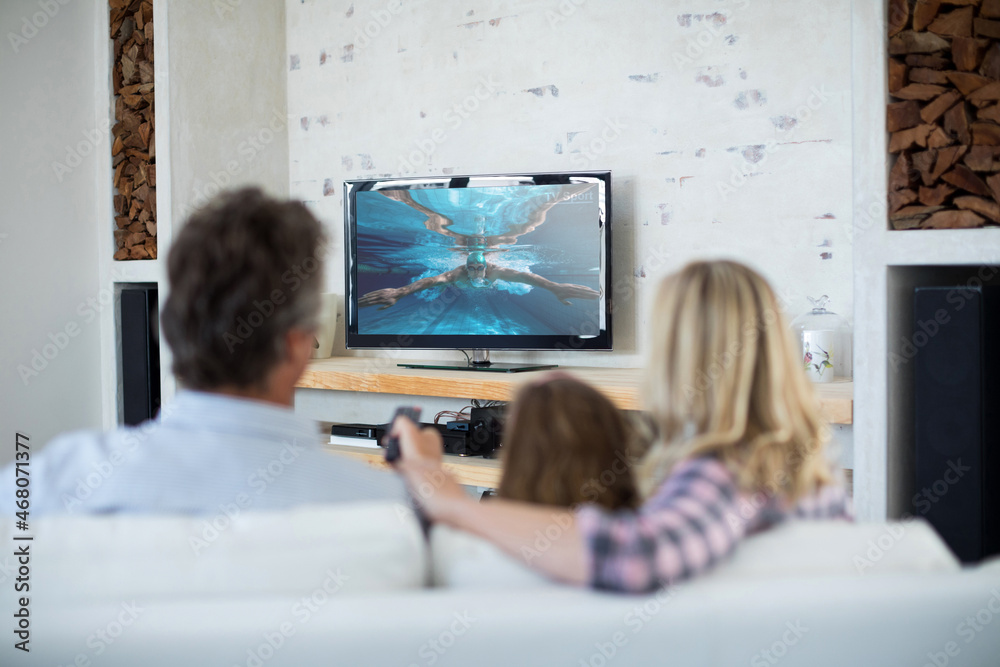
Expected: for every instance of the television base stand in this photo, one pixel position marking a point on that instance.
(479, 361)
(488, 367)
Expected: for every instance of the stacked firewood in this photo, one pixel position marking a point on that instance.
(944, 120)
(134, 148)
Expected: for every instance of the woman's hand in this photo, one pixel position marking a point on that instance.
(421, 453)
(512, 526)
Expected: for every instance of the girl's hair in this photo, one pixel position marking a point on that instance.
(566, 443)
(724, 381)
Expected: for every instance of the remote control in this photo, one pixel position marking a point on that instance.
(392, 444)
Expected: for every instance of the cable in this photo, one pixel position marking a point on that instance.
(476, 403)
(459, 416)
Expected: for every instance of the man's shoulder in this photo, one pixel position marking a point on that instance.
(87, 443)
(68, 445)
(66, 464)
(345, 479)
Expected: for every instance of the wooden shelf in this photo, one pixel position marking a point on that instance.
(621, 385)
(473, 470)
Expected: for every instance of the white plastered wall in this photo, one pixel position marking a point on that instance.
(53, 143)
(727, 125)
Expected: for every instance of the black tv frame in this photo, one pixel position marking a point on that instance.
(602, 340)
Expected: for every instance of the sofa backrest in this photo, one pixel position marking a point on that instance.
(795, 548)
(805, 548)
(311, 550)
(462, 560)
(377, 547)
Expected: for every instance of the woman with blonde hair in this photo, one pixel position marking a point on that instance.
(741, 447)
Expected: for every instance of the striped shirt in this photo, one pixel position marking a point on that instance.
(204, 454)
(695, 520)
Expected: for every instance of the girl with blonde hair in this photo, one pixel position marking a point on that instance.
(741, 447)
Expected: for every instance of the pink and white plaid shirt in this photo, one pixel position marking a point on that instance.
(695, 520)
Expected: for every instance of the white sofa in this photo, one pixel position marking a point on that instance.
(355, 585)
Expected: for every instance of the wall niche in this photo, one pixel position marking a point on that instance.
(133, 150)
(944, 114)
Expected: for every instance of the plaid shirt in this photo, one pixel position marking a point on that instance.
(695, 520)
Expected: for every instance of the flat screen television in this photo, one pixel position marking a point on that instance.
(485, 262)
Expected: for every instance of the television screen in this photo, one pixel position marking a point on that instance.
(502, 262)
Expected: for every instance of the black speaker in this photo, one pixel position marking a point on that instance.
(140, 354)
(956, 336)
(486, 431)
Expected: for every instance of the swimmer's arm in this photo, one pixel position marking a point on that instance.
(433, 281)
(435, 222)
(562, 291)
(515, 276)
(390, 295)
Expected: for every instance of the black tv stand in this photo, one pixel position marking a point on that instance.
(479, 361)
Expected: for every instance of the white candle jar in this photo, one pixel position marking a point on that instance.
(824, 342)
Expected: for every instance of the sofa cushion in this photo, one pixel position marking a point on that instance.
(312, 550)
(880, 621)
(794, 548)
(462, 560)
(801, 548)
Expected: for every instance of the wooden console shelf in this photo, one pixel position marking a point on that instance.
(471, 470)
(621, 385)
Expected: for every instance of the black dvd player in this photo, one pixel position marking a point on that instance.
(364, 431)
(459, 438)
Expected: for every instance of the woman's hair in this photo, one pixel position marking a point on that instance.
(723, 380)
(566, 443)
(244, 270)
